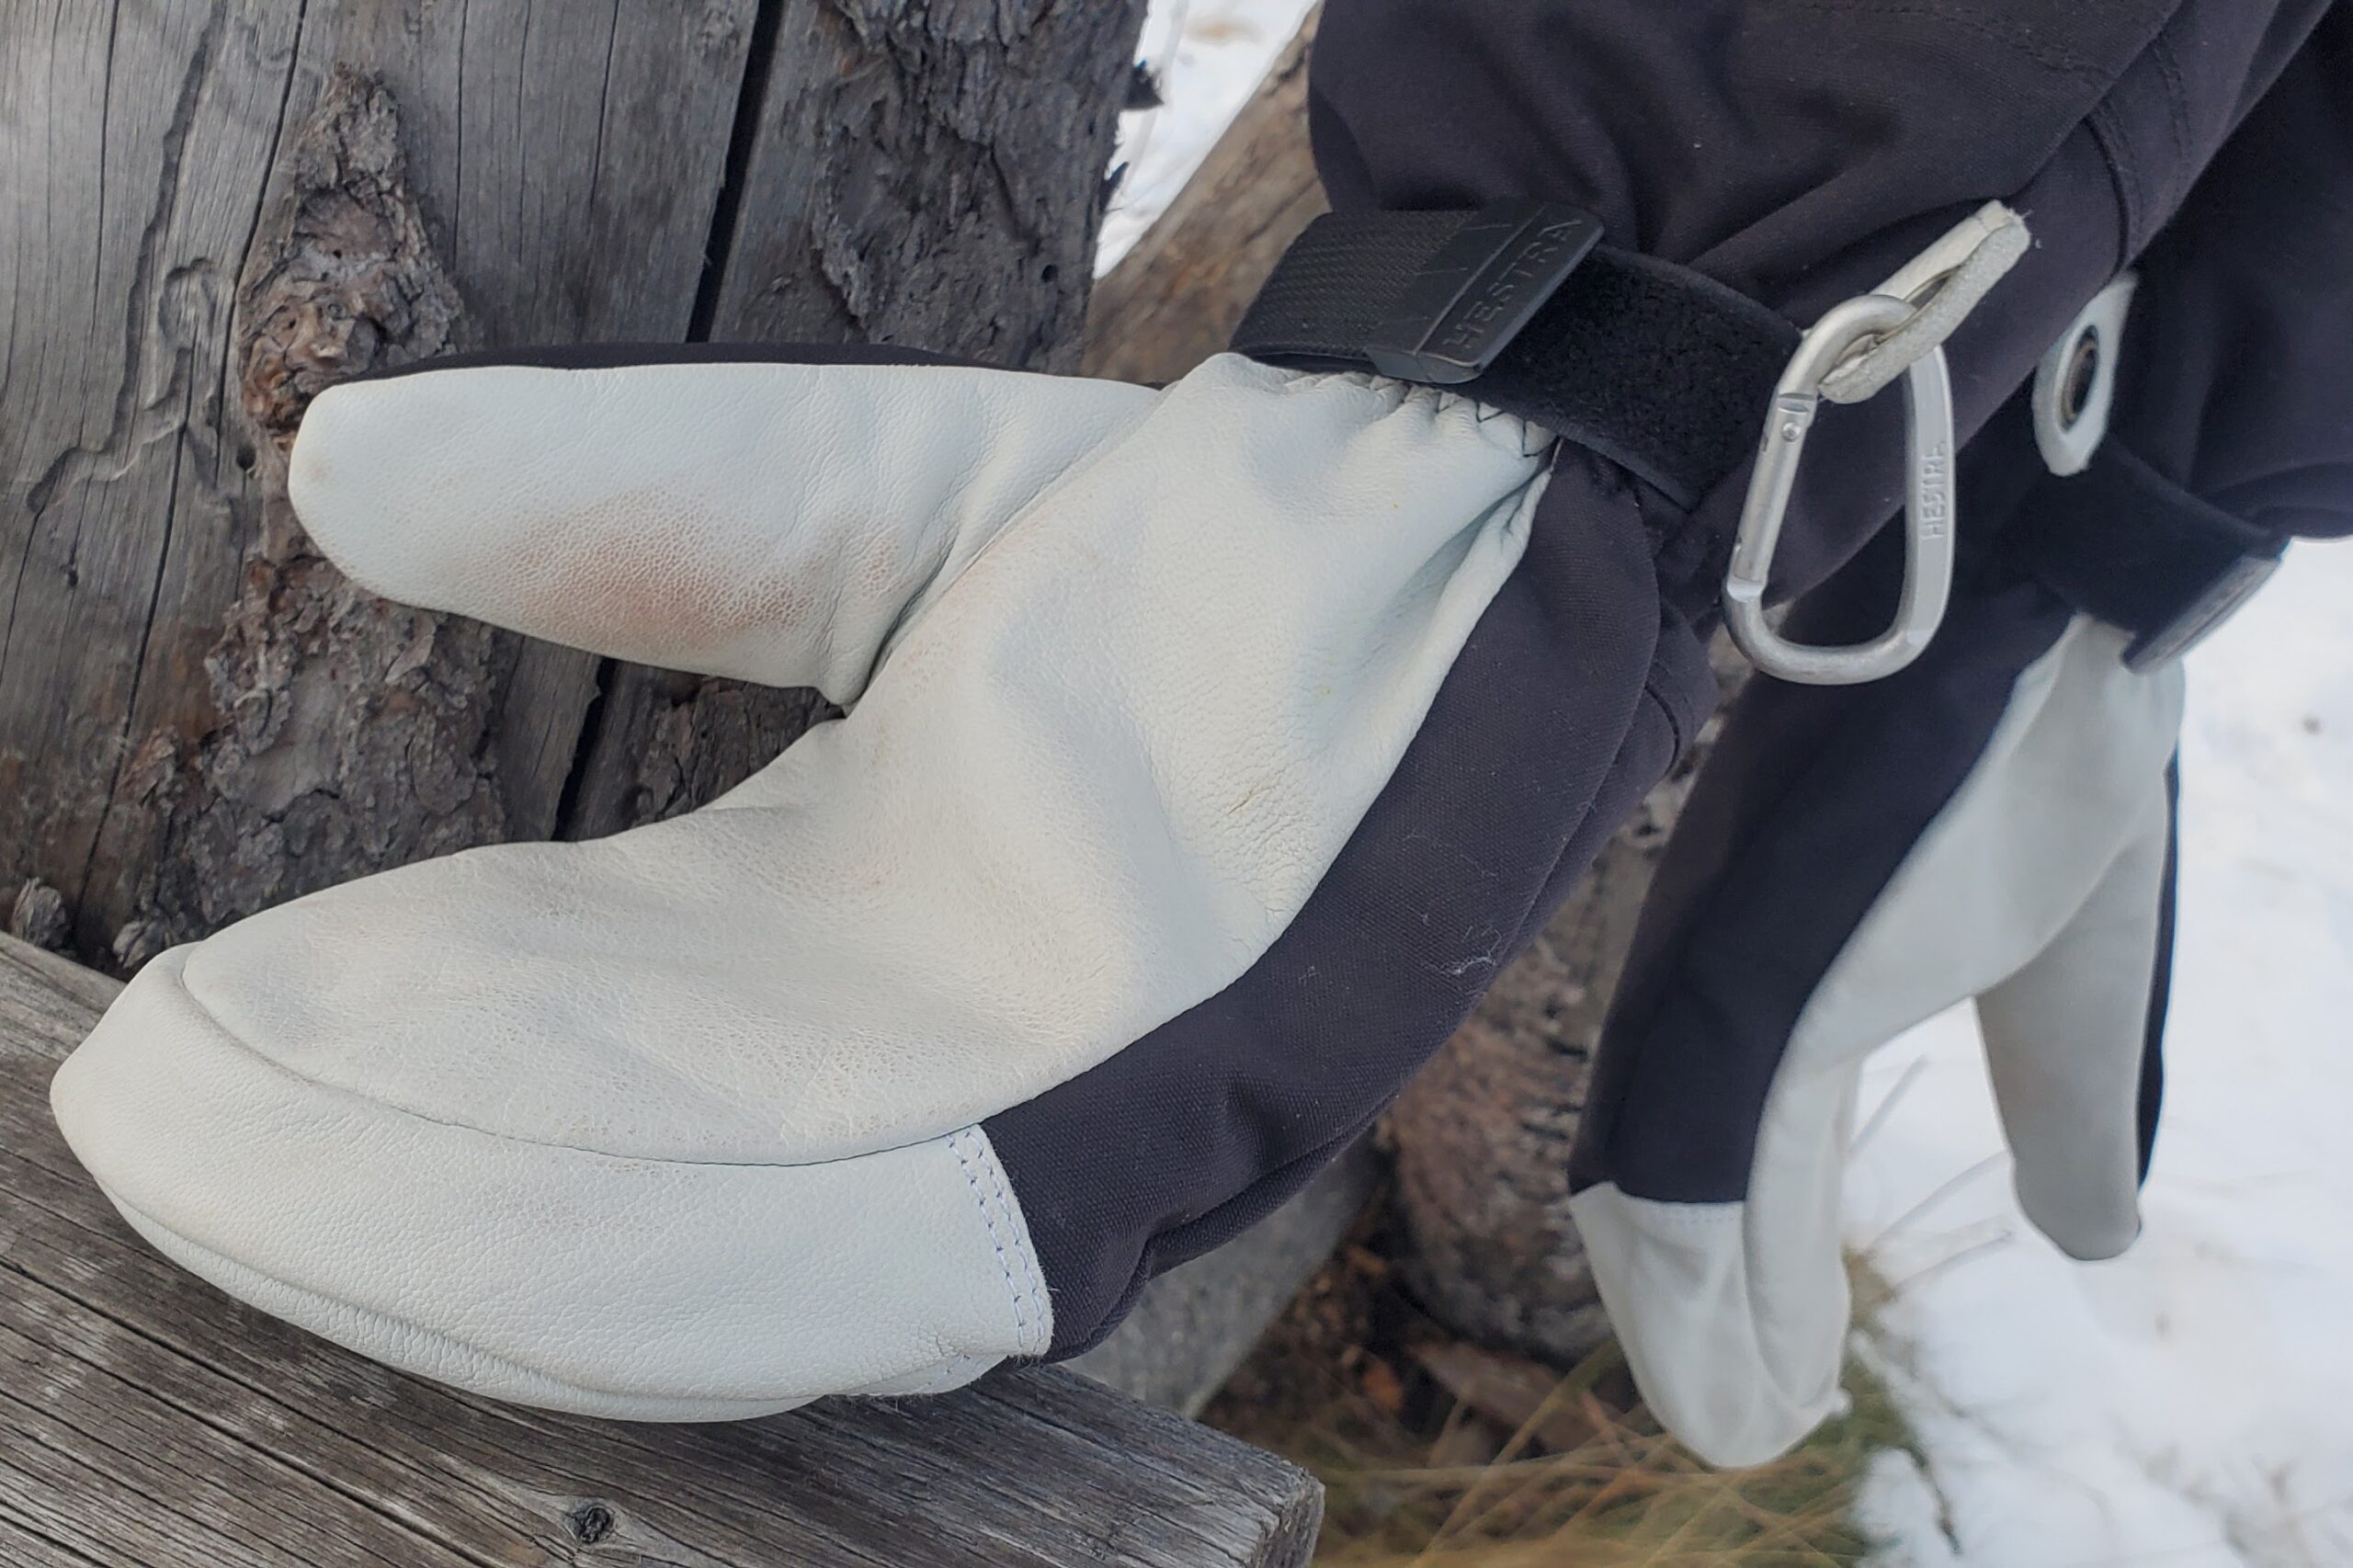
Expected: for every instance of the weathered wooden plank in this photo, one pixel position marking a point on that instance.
(1176, 299)
(260, 1420)
(48, 1003)
(77, 1433)
(20, 1547)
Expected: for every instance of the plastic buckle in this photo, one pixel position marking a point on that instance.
(2199, 618)
(1929, 506)
(1485, 284)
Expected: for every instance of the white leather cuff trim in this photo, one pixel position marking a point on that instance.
(1675, 1279)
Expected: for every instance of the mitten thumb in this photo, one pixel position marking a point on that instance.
(778, 522)
(2072, 1035)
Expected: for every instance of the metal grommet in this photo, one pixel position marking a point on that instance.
(2075, 386)
(2077, 380)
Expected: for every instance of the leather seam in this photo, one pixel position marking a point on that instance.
(386, 1107)
(384, 1319)
(954, 1373)
(1020, 1292)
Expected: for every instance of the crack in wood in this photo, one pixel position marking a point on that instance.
(170, 1480)
(135, 424)
(191, 1412)
(21, 1535)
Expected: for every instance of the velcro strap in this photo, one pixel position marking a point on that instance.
(1654, 366)
(2126, 545)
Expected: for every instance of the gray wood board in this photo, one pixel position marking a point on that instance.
(148, 1422)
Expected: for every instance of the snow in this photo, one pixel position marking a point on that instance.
(1208, 56)
(2189, 1404)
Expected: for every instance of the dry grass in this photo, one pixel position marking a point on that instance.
(1440, 1455)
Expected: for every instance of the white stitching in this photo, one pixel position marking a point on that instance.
(1033, 1281)
(1020, 1292)
(954, 1373)
(957, 1143)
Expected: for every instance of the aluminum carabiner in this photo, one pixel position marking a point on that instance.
(1929, 506)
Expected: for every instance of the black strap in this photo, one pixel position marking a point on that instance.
(1654, 366)
(2126, 545)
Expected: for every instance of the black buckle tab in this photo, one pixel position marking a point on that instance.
(2124, 544)
(1472, 297)
(2220, 600)
(1650, 365)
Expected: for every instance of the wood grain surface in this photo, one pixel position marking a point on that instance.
(148, 1422)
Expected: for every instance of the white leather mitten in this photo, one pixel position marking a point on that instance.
(695, 1122)
(1995, 824)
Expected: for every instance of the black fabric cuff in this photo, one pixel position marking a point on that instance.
(2126, 545)
(1655, 367)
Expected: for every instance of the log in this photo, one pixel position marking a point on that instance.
(217, 208)
(148, 1422)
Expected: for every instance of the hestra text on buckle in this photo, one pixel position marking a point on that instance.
(1523, 307)
(1472, 297)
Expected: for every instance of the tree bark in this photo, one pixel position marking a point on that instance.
(219, 208)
